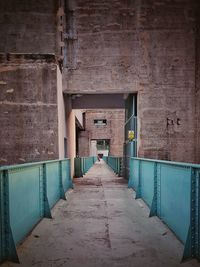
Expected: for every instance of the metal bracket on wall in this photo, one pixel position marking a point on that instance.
(62, 191)
(192, 249)
(138, 190)
(9, 251)
(187, 253)
(130, 180)
(46, 206)
(138, 194)
(153, 210)
(130, 184)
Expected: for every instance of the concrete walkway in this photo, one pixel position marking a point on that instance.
(101, 225)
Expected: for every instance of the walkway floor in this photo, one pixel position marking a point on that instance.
(101, 225)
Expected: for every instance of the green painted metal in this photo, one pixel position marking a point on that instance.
(172, 191)
(83, 164)
(27, 192)
(77, 167)
(105, 158)
(115, 163)
(130, 146)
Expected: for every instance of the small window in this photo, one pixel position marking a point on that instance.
(100, 122)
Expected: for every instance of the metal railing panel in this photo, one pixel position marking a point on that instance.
(135, 175)
(175, 188)
(115, 163)
(172, 190)
(83, 164)
(24, 200)
(88, 163)
(147, 181)
(53, 182)
(27, 192)
(66, 175)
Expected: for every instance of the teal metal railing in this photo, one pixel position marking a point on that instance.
(83, 164)
(27, 194)
(115, 163)
(172, 191)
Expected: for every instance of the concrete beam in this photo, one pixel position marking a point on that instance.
(98, 101)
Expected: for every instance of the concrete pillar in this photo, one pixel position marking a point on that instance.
(71, 132)
(61, 116)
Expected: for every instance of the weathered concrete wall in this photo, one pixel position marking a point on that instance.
(198, 86)
(62, 126)
(146, 47)
(84, 143)
(116, 46)
(114, 130)
(166, 105)
(28, 26)
(31, 34)
(28, 109)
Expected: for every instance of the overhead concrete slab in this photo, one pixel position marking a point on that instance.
(98, 101)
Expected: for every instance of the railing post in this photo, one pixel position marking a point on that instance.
(130, 182)
(138, 191)
(62, 191)
(153, 210)
(69, 175)
(191, 249)
(118, 166)
(8, 248)
(45, 201)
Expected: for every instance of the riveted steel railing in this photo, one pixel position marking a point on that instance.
(115, 163)
(83, 164)
(27, 194)
(172, 191)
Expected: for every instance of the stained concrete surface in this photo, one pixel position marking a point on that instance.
(101, 225)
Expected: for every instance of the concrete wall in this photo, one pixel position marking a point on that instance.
(114, 46)
(79, 117)
(32, 115)
(113, 131)
(198, 88)
(146, 47)
(84, 143)
(28, 26)
(28, 110)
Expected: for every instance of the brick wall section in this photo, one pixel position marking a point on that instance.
(146, 47)
(114, 130)
(28, 110)
(28, 26)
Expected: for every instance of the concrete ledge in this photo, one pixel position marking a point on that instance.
(27, 58)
